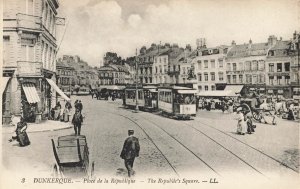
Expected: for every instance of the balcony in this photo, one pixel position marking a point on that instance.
(29, 22)
(29, 69)
(173, 72)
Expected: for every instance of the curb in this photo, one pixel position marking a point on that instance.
(47, 130)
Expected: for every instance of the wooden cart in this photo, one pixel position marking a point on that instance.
(72, 157)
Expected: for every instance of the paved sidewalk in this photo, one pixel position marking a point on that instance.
(44, 126)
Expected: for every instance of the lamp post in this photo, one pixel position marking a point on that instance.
(136, 83)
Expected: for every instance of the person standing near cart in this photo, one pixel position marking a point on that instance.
(77, 121)
(131, 149)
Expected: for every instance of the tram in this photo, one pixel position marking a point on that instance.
(147, 98)
(178, 102)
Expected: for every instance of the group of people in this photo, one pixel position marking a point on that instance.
(245, 124)
(61, 114)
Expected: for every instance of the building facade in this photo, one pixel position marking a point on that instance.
(29, 51)
(65, 77)
(210, 67)
(246, 65)
(112, 75)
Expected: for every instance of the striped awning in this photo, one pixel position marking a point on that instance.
(57, 89)
(31, 93)
(3, 83)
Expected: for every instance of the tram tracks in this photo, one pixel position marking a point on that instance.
(261, 152)
(192, 152)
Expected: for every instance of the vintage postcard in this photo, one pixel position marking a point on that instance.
(150, 93)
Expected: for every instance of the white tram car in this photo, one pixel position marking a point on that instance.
(176, 101)
(147, 97)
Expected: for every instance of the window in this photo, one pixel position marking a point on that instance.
(228, 79)
(155, 69)
(279, 80)
(206, 77)
(165, 69)
(160, 69)
(212, 76)
(240, 78)
(248, 78)
(254, 79)
(141, 70)
(165, 60)
(206, 87)
(220, 63)
(254, 65)
(247, 65)
(228, 67)
(159, 59)
(286, 66)
(199, 64)
(271, 80)
(279, 67)
(287, 80)
(234, 66)
(213, 88)
(6, 48)
(261, 78)
(205, 64)
(221, 76)
(261, 65)
(213, 64)
(241, 66)
(199, 88)
(234, 79)
(200, 77)
(150, 79)
(183, 70)
(271, 67)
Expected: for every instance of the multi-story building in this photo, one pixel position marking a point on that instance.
(210, 69)
(65, 76)
(295, 65)
(245, 65)
(112, 75)
(29, 51)
(278, 68)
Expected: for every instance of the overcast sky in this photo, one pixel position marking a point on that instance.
(97, 26)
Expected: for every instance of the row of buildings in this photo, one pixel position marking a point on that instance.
(271, 67)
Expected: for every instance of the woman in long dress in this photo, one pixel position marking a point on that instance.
(241, 125)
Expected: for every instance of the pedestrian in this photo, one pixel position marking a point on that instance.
(77, 121)
(241, 125)
(21, 134)
(131, 149)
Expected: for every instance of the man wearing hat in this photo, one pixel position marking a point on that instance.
(131, 149)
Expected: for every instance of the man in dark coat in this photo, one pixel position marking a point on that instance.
(131, 149)
(77, 121)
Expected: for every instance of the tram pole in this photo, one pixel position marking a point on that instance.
(136, 83)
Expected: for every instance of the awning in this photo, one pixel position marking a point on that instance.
(31, 93)
(234, 88)
(153, 90)
(187, 91)
(4, 81)
(55, 87)
(217, 93)
(280, 91)
(270, 91)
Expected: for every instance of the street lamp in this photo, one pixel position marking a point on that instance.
(136, 84)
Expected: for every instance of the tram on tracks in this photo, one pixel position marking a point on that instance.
(178, 102)
(147, 98)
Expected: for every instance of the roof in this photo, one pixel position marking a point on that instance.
(244, 50)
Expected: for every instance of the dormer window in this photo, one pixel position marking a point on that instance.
(271, 53)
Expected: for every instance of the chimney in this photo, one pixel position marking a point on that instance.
(188, 47)
(272, 40)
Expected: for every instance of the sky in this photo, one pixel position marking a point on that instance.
(94, 27)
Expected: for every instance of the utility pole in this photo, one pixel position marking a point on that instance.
(136, 83)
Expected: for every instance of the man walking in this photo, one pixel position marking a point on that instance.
(131, 149)
(76, 121)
